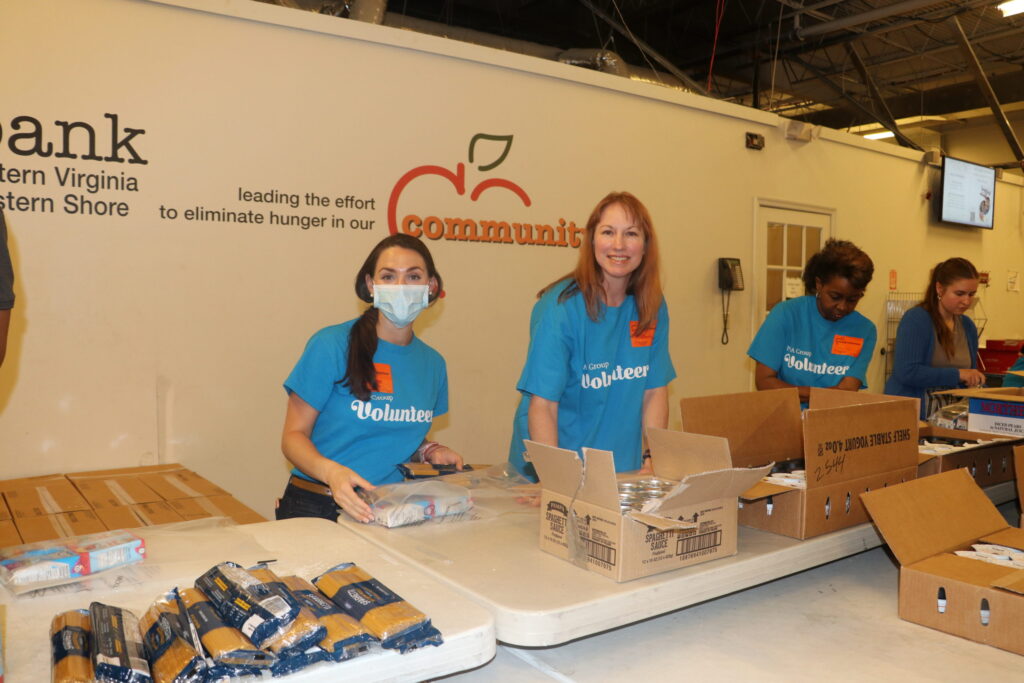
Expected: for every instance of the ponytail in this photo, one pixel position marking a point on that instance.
(360, 373)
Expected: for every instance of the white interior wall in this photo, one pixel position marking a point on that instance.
(141, 339)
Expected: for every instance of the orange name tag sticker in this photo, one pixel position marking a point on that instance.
(847, 346)
(384, 383)
(645, 338)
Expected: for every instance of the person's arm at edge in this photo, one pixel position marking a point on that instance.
(542, 417)
(5, 323)
(655, 414)
(298, 447)
(765, 378)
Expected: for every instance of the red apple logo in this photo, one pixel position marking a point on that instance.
(458, 177)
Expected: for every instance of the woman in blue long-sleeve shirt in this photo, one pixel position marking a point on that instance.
(936, 343)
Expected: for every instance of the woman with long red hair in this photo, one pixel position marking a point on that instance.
(598, 367)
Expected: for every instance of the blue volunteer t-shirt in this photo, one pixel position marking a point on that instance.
(596, 371)
(807, 350)
(370, 437)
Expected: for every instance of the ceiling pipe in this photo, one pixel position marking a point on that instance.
(646, 49)
(600, 60)
(370, 11)
(863, 18)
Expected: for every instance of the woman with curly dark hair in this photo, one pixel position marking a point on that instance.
(819, 340)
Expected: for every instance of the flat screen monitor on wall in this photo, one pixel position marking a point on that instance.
(968, 193)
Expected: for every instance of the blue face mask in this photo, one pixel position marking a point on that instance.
(400, 303)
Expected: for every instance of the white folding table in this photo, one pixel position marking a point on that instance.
(305, 547)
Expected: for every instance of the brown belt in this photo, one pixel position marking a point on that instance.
(314, 486)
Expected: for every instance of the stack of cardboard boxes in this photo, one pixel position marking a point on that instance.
(58, 506)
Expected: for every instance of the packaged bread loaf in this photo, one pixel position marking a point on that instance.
(381, 611)
(246, 603)
(225, 644)
(173, 657)
(70, 633)
(345, 637)
(117, 651)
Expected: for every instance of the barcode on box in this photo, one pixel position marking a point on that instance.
(693, 544)
(600, 552)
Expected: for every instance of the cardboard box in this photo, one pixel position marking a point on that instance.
(134, 516)
(850, 442)
(48, 527)
(126, 471)
(215, 506)
(923, 522)
(181, 483)
(994, 410)
(582, 522)
(5, 512)
(989, 463)
(107, 492)
(43, 496)
(9, 534)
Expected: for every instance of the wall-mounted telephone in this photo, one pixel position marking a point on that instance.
(730, 274)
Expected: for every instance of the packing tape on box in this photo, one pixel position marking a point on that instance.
(381, 611)
(117, 651)
(48, 502)
(225, 644)
(247, 603)
(70, 634)
(119, 492)
(173, 657)
(304, 633)
(345, 637)
(174, 482)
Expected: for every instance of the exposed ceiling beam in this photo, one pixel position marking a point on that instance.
(890, 125)
(986, 89)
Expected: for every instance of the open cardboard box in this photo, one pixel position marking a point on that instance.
(994, 410)
(581, 520)
(923, 522)
(989, 463)
(850, 442)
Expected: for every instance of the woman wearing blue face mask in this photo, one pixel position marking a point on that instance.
(363, 395)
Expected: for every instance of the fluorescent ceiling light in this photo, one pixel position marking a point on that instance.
(883, 135)
(1012, 7)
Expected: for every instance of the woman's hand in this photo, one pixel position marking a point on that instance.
(442, 455)
(972, 377)
(343, 481)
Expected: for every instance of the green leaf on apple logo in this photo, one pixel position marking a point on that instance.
(507, 139)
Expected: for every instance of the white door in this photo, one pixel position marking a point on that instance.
(785, 238)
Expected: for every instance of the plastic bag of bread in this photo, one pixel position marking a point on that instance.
(418, 501)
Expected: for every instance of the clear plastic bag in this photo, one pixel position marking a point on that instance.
(952, 416)
(396, 505)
